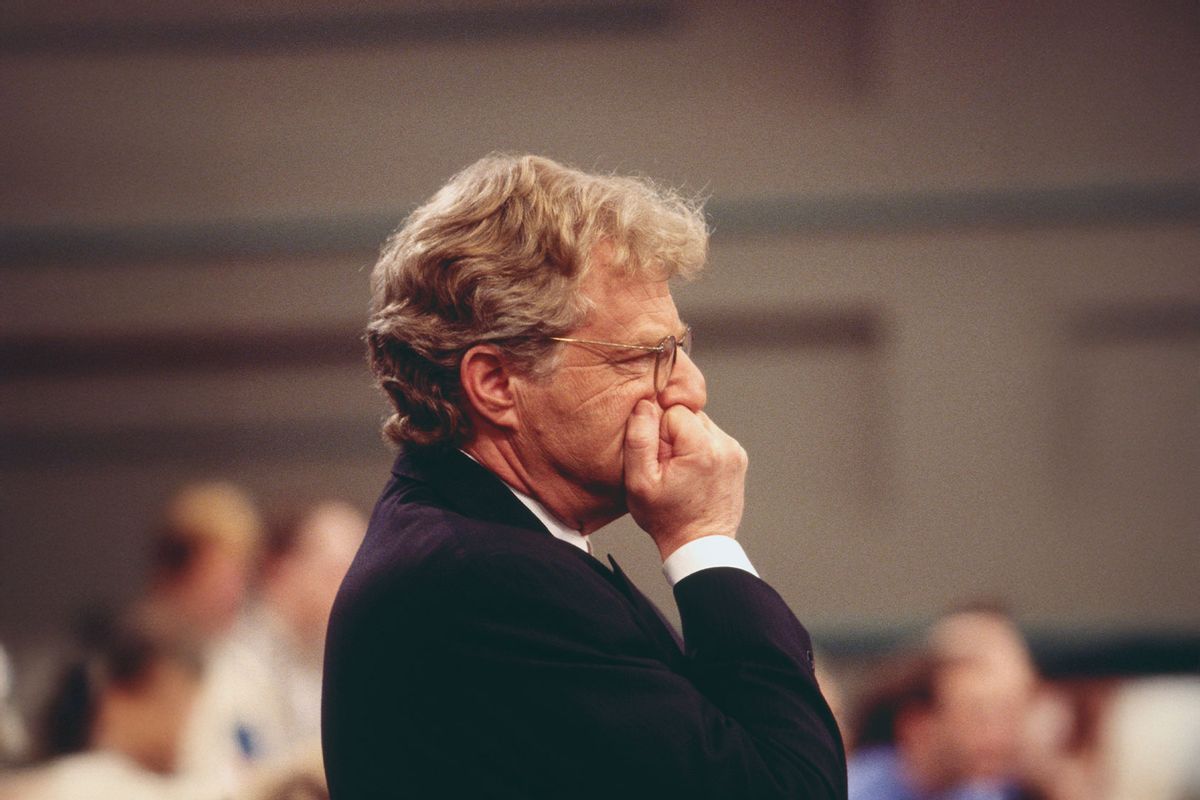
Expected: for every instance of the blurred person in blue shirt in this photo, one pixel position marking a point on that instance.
(949, 723)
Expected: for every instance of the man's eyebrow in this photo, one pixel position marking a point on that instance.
(652, 335)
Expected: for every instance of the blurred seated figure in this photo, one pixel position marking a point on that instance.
(949, 723)
(113, 728)
(14, 740)
(1150, 741)
(202, 557)
(262, 701)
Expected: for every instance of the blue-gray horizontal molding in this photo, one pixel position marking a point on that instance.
(1060, 653)
(207, 241)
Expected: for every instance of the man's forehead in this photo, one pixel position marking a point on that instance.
(630, 303)
(605, 277)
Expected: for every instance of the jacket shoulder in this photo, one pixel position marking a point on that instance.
(416, 546)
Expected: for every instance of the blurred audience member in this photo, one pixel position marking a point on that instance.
(985, 633)
(996, 715)
(14, 740)
(262, 701)
(1059, 755)
(949, 723)
(203, 555)
(113, 727)
(201, 562)
(1150, 741)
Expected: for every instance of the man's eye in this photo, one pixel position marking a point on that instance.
(633, 359)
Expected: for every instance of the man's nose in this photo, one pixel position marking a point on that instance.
(686, 385)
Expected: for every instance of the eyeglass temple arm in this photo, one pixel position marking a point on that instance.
(648, 348)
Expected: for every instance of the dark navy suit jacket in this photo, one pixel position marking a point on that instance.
(471, 654)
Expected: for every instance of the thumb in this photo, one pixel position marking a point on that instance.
(641, 443)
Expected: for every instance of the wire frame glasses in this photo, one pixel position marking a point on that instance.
(665, 352)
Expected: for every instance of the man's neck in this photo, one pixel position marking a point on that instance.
(573, 506)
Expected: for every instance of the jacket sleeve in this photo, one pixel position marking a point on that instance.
(556, 660)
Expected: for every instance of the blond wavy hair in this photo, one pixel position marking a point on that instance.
(497, 255)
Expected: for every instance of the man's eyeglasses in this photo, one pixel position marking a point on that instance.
(665, 352)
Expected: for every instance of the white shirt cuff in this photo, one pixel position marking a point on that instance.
(705, 553)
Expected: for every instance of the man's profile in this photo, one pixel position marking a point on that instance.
(523, 329)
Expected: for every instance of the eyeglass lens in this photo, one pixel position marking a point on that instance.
(664, 364)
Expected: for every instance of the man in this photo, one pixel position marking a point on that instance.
(523, 328)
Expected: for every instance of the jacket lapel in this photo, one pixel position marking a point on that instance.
(652, 619)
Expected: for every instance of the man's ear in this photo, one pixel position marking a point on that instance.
(487, 384)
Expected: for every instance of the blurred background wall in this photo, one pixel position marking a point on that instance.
(952, 308)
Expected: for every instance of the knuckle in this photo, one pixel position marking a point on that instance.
(740, 454)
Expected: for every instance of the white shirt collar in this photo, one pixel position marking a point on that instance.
(557, 529)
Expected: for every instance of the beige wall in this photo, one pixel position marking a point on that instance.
(953, 306)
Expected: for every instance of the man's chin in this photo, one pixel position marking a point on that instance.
(610, 506)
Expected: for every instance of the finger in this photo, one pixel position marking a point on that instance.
(641, 442)
(709, 425)
(717, 433)
(682, 429)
